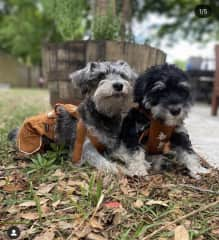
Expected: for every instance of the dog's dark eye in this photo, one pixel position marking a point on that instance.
(101, 76)
(183, 92)
(122, 75)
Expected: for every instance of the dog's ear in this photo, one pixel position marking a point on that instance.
(158, 86)
(82, 78)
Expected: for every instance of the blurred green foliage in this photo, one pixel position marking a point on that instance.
(181, 21)
(69, 17)
(23, 28)
(181, 64)
(26, 24)
(106, 27)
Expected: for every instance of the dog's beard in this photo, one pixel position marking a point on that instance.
(110, 102)
(162, 112)
(114, 105)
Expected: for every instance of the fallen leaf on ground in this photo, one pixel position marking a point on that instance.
(145, 192)
(64, 225)
(94, 236)
(45, 188)
(58, 173)
(14, 187)
(13, 209)
(113, 204)
(156, 202)
(2, 183)
(215, 231)
(94, 223)
(45, 209)
(32, 203)
(30, 215)
(180, 233)
(138, 203)
(48, 235)
(83, 233)
(117, 219)
(82, 184)
(56, 203)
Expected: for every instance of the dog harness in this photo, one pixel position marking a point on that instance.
(29, 139)
(156, 138)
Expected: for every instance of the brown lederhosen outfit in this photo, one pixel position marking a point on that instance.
(158, 136)
(29, 139)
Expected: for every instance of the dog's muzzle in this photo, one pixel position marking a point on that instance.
(175, 111)
(118, 87)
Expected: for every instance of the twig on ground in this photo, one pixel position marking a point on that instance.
(180, 219)
(193, 188)
(199, 189)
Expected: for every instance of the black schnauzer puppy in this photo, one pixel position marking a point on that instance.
(164, 98)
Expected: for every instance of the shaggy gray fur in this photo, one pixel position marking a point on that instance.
(109, 90)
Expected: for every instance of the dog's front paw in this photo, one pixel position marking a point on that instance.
(193, 164)
(196, 172)
(138, 168)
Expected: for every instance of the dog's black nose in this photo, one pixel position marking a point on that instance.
(118, 86)
(175, 111)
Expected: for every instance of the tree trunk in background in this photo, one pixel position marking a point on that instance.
(125, 19)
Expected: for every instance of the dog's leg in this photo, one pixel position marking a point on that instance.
(134, 160)
(65, 130)
(95, 159)
(159, 162)
(181, 143)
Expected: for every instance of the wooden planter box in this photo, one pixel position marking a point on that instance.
(61, 59)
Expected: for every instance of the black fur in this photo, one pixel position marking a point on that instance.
(171, 76)
(109, 126)
(181, 140)
(175, 90)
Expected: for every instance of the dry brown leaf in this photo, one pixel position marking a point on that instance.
(94, 236)
(47, 235)
(215, 231)
(124, 189)
(83, 233)
(45, 188)
(14, 187)
(45, 209)
(94, 223)
(157, 202)
(2, 183)
(13, 209)
(117, 219)
(32, 203)
(145, 192)
(64, 225)
(56, 203)
(138, 203)
(82, 184)
(30, 215)
(58, 173)
(180, 233)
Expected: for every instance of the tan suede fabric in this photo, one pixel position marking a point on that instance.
(30, 135)
(158, 136)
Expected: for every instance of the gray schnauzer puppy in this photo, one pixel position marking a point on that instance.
(163, 93)
(108, 87)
